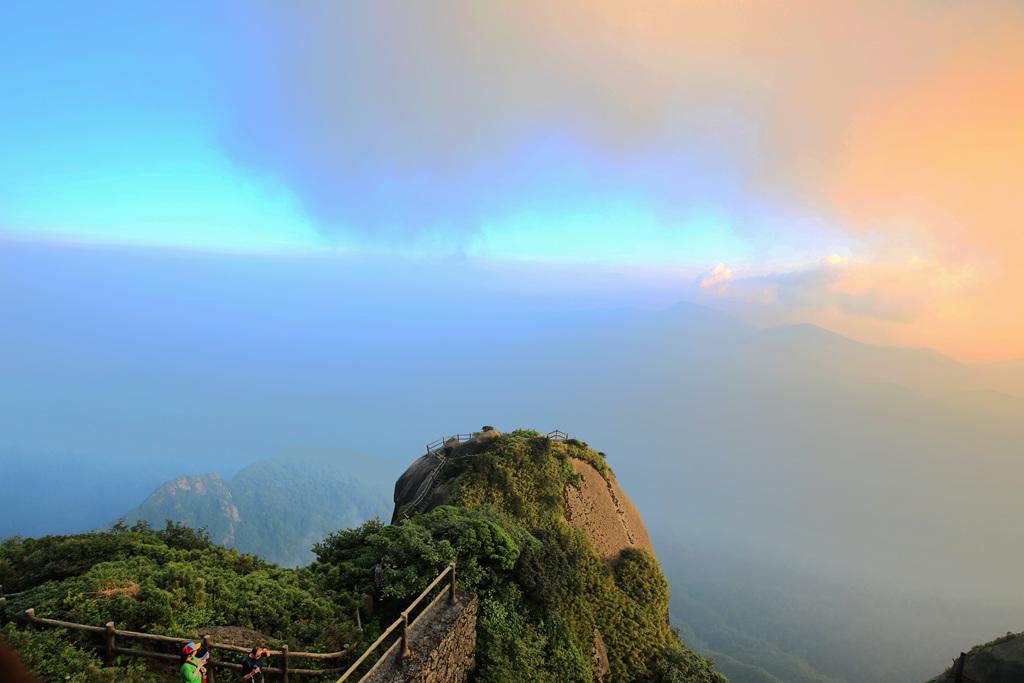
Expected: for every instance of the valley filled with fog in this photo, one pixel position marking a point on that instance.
(814, 501)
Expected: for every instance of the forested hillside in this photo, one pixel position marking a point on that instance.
(279, 507)
(172, 582)
(543, 591)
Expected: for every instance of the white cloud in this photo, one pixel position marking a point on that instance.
(895, 292)
(717, 279)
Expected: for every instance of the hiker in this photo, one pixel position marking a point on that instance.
(379, 578)
(251, 670)
(193, 668)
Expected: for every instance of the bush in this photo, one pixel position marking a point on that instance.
(542, 589)
(52, 656)
(170, 582)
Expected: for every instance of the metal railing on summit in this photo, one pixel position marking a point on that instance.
(436, 447)
(438, 443)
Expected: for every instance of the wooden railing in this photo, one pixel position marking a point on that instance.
(437, 443)
(110, 634)
(403, 621)
(111, 648)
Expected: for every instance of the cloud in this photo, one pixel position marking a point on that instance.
(388, 119)
(717, 278)
(759, 135)
(839, 286)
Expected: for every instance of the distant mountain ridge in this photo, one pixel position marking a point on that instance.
(807, 348)
(279, 507)
(744, 430)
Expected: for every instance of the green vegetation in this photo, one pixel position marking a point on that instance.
(172, 582)
(998, 641)
(284, 504)
(542, 589)
(52, 656)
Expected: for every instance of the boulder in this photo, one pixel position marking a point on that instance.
(605, 513)
(417, 481)
(998, 663)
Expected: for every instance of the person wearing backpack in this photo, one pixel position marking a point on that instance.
(251, 664)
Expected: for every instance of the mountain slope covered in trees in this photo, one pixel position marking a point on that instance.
(279, 507)
(543, 588)
(544, 591)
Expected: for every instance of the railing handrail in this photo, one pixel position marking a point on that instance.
(403, 621)
(435, 448)
(172, 639)
(437, 443)
(111, 632)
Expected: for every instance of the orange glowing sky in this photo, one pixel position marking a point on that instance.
(856, 164)
(905, 123)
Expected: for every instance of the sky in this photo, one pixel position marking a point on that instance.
(857, 165)
(229, 227)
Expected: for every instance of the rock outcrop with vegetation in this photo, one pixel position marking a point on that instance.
(567, 585)
(550, 597)
(999, 661)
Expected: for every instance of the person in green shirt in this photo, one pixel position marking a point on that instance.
(193, 668)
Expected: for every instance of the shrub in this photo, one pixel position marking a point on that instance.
(52, 656)
(542, 588)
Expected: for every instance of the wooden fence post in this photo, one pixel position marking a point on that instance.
(209, 659)
(405, 634)
(959, 672)
(284, 665)
(31, 614)
(110, 642)
(451, 591)
(3, 611)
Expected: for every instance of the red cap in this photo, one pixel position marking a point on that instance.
(190, 648)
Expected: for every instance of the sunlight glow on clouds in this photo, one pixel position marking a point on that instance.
(847, 296)
(760, 136)
(718, 279)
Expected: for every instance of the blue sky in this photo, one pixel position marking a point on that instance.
(750, 142)
(111, 133)
(229, 227)
(173, 126)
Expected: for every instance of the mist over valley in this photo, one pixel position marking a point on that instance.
(808, 495)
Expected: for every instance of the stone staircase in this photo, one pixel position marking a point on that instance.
(442, 647)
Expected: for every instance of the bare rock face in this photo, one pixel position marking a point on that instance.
(999, 663)
(607, 515)
(199, 500)
(417, 483)
(239, 636)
